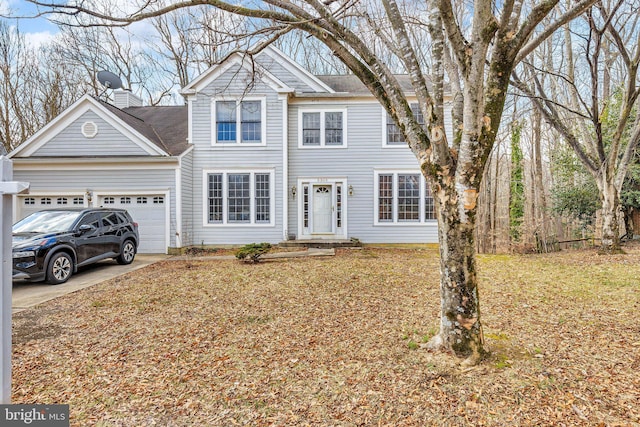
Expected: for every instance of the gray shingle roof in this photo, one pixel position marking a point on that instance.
(165, 126)
(353, 86)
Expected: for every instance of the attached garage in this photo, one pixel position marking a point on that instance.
(132, 159)
(150, 212)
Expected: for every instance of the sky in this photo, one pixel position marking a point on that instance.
(36, 30)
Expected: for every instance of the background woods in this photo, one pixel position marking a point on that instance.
(558, 195)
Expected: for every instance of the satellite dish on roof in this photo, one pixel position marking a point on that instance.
(109, 80)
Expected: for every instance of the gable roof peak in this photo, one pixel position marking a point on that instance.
(234, 58)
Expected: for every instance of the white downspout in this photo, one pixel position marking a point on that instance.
(285, 165)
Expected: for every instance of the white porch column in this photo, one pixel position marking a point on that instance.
(7, 189)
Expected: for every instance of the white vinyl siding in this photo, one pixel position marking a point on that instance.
(71, 142)
(239, 197)
(322, 128)
(208, 156)
(402, 197)
(355, 165)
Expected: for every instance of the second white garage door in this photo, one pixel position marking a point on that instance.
(149, 211)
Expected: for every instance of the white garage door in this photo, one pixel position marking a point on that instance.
(149, 211)
(30, 204)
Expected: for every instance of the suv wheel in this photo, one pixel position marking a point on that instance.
(60, 268)
(127, 253)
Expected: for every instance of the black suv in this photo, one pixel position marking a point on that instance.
(51, 244)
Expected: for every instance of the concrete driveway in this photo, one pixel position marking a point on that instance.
(27, 294)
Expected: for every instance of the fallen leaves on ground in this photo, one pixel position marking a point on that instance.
(335, 341)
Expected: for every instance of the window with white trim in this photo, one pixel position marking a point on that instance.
(305, 206)
(239, 197)
(393, 134)
(239, 121)
(325, 128)
(339, 205)
(403, 197)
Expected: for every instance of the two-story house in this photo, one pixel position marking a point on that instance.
(263, 151)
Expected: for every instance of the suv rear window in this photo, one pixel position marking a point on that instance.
(111, 219)
(124, 217)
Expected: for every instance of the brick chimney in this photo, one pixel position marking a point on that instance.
(125, 99)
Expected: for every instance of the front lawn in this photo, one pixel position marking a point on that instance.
(336, 341)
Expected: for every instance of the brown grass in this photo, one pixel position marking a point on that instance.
(336, 341)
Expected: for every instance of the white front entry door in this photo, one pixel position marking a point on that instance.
(322, 209)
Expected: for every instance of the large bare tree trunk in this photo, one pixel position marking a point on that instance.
(610, 204)
(540, 209)
(460, 326)
(493, 201)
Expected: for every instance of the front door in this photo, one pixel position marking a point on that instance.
(322, 209)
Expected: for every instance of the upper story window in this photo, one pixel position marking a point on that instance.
(322, 128)
(239, 121)
(392, 133)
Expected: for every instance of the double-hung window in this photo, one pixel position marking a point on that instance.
(239, 121)
(239, 197)
(322, 128)
(392, 133)
(403, 197)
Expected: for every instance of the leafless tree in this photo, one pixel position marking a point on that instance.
(477, 44)
(594, 110)
(188, 41)
(95, 48)
(18, 71)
